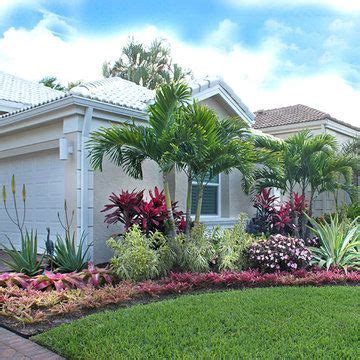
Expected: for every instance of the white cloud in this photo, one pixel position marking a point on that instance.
(37, 52)
(339, 5)
(225, 33)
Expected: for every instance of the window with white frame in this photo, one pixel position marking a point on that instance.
(211, 196)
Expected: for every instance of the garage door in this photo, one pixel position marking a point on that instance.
(43, 175)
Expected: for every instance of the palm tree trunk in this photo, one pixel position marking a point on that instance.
(188, 204)
(199, 203)
(303, 220)
(295, 215)
(172, 227)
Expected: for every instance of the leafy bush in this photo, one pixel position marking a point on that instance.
(232, 245)
(138, 257)
(339, 243)
(195, 252)
(150, 215)
(279, 253)
(26, 260)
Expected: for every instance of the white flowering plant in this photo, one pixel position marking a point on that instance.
(279, 253)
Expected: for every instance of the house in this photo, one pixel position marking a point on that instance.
(43, 133)
(286, 121)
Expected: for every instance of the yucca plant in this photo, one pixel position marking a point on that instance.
(26, 260)
(339, 243)
(69, 256)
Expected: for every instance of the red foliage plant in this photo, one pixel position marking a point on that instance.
(30, 305)
(273, 217)
(150, 215)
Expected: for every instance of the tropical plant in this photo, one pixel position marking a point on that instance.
(233, 245)
(273, 217)
(68, 255)
(53, 83)
(195, 252)
(339, 243)
(25, 260)
(308, 161)
(140, 257)
(149, 66)
(205, 146)
(150, 215)
(279, 253)
(129, 145)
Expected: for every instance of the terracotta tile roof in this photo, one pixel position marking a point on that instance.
(294, 114)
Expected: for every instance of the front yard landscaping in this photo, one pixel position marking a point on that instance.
(271, 323)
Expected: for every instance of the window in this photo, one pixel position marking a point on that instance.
(210, 204)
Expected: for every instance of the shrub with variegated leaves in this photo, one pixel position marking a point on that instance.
(279, 253)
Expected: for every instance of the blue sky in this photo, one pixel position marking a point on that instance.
(271, 52)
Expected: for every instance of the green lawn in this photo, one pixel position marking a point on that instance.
(270, 323)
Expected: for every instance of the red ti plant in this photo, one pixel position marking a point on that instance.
(126, 208)
(132, 208)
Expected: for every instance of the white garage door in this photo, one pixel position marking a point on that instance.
(43, 175)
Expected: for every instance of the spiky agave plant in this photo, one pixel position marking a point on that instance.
(339, 243)
(26, 260)
(68, 255)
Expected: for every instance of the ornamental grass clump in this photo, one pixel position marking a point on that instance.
(279, 253)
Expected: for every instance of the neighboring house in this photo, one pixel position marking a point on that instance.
(285, 121)
(42, 142)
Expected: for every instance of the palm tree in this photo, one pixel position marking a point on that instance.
(147, 66)
(301, 156)
(205, 146)
(130, 145)
(52, 82)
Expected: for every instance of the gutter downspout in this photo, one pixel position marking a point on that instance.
(84, 188)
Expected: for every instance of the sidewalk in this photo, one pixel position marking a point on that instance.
(13, 347)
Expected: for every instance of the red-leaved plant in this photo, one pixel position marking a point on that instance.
(273, 217)
(130, 208)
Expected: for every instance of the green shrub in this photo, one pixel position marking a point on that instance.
(339, 243)
(138, 257)
(26, 260)
(195, 252)
(233, 245)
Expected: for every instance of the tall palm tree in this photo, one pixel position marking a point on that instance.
(301, 156)
(130, 145)
(205, 146)
(147, 66)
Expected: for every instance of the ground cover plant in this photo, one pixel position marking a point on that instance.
(272, 323)
(31, 306)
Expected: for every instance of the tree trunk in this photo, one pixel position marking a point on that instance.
(172, 226)
(199, 203)
(188, 205)
(307, 230)
(295, 215)
(303, 219)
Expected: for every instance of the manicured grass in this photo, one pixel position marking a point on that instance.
(268, 323)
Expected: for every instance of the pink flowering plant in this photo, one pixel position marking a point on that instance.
(279, 253)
